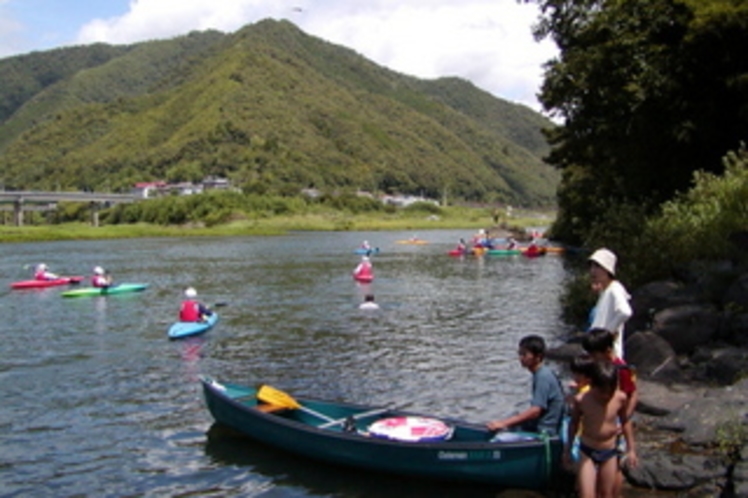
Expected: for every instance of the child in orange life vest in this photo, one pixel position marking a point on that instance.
(192, 310)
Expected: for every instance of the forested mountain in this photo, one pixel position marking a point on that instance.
(269, 107)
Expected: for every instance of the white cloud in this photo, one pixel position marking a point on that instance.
(11, 32)
(485, 41)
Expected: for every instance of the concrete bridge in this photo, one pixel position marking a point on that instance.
(26, 200)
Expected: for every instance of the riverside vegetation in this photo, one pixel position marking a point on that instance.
(218, 213)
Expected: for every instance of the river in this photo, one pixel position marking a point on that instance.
(98, 402)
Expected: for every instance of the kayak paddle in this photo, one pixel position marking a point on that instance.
(277, 397)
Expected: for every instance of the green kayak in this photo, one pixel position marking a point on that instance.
(105, 291)
(503, 252)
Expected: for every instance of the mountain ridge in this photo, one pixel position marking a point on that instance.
(273, 109)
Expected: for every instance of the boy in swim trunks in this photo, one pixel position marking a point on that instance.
(599, 344)
(599, 411)
(580, 368)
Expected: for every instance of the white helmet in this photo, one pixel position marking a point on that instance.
(41, 267)
(190, 292)
(364, 258)
(98, 270)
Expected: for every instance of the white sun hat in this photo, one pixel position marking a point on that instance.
(606, 259)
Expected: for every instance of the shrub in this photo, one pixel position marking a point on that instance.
(423, 207)
(697, 224)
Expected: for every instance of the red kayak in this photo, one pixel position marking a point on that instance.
(534, 251)
(364, 278)
(37, 284)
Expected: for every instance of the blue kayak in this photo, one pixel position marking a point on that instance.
(366, 252)
(184, 329)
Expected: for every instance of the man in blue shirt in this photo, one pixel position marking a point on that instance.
(547, 403)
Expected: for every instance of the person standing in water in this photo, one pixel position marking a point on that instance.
(368, 303)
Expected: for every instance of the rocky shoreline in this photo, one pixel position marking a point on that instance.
(688, 340)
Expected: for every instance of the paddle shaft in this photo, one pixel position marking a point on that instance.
(317, 414)
(357, 416)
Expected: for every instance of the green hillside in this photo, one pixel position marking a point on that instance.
(269, 107)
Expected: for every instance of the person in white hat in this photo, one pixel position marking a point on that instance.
(100, 278)
(42, 273)
(612, 309)
(191, 309)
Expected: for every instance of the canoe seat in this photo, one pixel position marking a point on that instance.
(269, 408)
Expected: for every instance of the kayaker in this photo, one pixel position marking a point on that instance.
(100, 278)
(612, 309)
(42, 273)
(365, 245)
(364, 268)
(191, 309)
(547, 403)
(462, 246)
(368, 303)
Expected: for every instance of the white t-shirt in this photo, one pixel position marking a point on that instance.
(368, 305)
(611, 312)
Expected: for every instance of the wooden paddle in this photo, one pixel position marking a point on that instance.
(277, 397)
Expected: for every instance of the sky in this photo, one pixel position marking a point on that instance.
(488, 42)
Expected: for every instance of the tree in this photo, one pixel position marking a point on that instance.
(649, 91)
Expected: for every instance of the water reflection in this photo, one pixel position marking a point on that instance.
(273, 469)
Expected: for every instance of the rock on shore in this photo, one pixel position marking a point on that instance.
(688, 340)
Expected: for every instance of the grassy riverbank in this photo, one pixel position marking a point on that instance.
(453, 217)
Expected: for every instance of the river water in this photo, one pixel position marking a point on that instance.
(98, 402)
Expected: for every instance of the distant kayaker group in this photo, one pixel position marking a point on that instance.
(483, 244)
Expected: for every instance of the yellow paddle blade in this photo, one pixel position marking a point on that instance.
(276, 397)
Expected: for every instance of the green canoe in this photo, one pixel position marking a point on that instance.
(105, 291)
(366, 437)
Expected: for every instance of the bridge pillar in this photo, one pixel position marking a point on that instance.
(95, 214)
(18, 212)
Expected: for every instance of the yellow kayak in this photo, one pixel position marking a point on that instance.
(416, 242)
